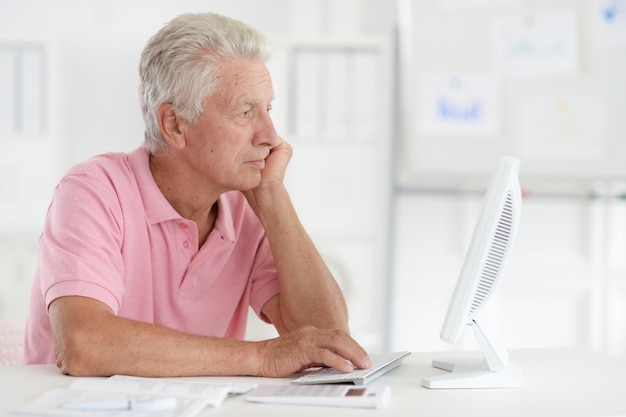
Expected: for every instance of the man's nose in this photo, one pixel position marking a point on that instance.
(267, 132)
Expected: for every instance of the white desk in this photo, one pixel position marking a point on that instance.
(555, 383)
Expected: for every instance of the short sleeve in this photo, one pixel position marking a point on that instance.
(80, 247)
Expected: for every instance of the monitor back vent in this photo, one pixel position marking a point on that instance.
(499, 245)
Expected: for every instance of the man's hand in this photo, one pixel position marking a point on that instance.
(272, 175)
(308, 347)
(276, 163)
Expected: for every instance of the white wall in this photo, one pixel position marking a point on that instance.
(565, 282)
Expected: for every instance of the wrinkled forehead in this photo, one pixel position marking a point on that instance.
(244, 80)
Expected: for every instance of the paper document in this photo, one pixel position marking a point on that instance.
(105, 397)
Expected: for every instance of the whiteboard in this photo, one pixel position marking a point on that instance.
(542, 80)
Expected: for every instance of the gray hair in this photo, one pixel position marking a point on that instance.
(179, 65)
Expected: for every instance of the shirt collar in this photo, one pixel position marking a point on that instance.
(157, 208)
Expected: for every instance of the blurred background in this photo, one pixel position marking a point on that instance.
(398, 112)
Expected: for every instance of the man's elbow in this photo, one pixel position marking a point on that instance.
(75, 357)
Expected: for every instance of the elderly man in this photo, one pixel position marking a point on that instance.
(149, 261)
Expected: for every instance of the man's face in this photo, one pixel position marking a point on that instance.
(228, 144)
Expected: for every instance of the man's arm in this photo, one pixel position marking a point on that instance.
(309, 295)
(89, 340)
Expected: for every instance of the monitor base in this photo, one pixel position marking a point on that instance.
(473, 374)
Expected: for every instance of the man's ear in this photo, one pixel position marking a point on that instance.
(172, 126)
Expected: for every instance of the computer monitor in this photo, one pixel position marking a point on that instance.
(488, 251)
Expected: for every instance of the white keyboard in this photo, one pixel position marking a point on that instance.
(381, 364)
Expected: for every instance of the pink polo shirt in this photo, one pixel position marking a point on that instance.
(111, 235)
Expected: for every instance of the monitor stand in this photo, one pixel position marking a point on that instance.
(491, 371)
(473, 374)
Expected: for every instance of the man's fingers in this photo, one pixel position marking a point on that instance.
(347, 348)
(334, 360)
(337, 349)
(309, 346)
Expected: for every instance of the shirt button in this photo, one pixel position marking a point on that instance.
(186, 244)
(183, 225)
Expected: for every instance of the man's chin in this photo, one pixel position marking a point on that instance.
(249, 186)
